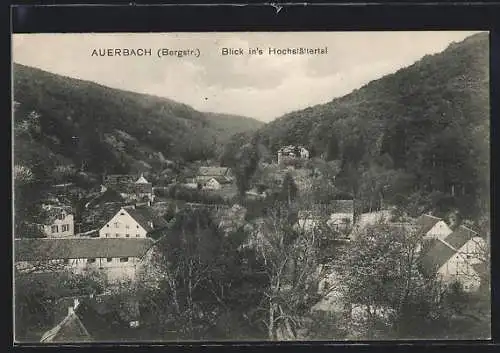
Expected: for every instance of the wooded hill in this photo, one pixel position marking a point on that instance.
(104, 129)
(427, 123)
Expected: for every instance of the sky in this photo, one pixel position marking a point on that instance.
(258, 86)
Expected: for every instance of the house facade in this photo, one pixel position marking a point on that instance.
(456, 257)
(132, 222)
(342, 216)
(292, 152)
(144, 189)
(118, 259)
(205, 174)
(216, 183)
(60, 222)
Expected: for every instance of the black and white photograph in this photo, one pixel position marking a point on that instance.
(251, 186)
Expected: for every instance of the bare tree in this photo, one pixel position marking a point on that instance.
(290, 263)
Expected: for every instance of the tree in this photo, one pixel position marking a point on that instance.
(246, 165)
(381, 274)
(289, 189)
(290, 264)
(197, 276)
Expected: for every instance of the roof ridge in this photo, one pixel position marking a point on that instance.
(429, 215)
(447, 244)
(472, 230)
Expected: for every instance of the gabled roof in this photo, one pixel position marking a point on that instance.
(459, 237)
(425, 223)
(213, 171)
(93, 319)
(438, 254)
(146, 217)
(42, 249)
(70, 329)
(221, 180)
(142, 180)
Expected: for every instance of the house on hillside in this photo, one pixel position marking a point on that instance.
(457, 257)
(144, 189)
(206, 173)
(114, 179)
(216, 183)
(133, 222)
(118, 258)
(342, 215)
(291, 152)
(59, 221)
(430, 227)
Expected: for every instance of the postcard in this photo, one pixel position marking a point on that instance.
(251, 186)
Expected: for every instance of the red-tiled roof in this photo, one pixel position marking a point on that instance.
(79, 248)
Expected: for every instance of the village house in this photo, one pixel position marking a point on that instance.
(430, 227)
(292, 152)
(59, 221)
(89, 319)
(205, 174)
(133, 222)
(457, 257)
(216, 183)
(342, 215)
(144, 189)
(117, 258)
(338, 215)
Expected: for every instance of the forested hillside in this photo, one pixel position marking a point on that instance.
(64, 121)
(419, 136)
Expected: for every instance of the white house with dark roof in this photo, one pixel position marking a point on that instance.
(430, 227)
(59, 221)
(132, 222)
(118, 258)
(292, 152)
(216, 183)
(456, 258)
(206, 173)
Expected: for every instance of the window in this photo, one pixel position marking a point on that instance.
(61, 216)
(54, 229)
(137, 227)
(124, 259)
(107, 235)
(91, 260)
(117, 235)
(122, 214)
(127, 226)
(127, 235)
(65, 228)
(117, 224)
(137, 235)
(109, 259)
